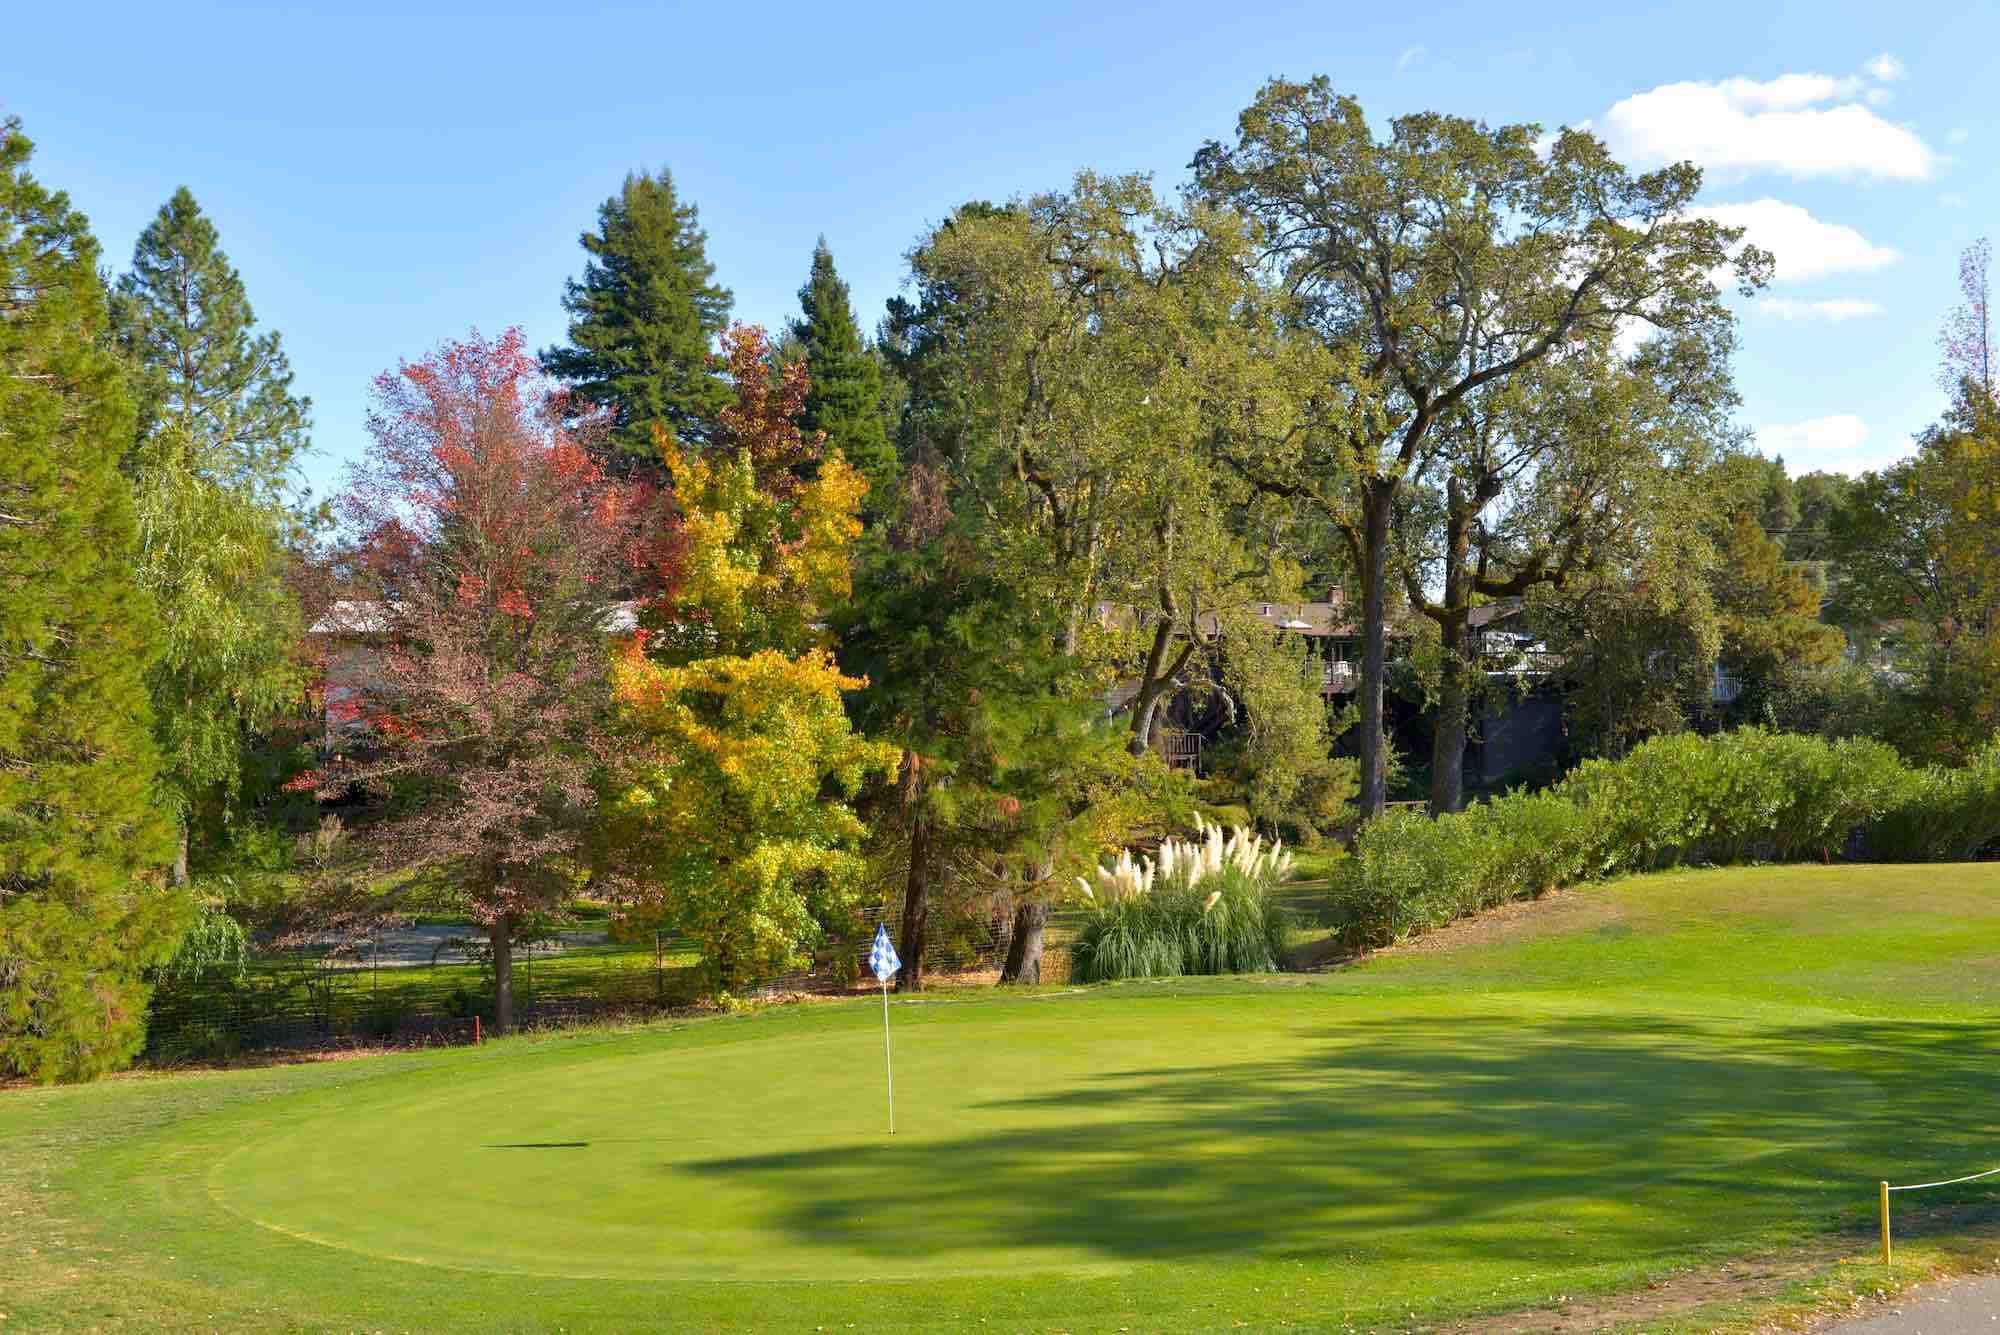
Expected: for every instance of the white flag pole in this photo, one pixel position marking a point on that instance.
(888, 1066)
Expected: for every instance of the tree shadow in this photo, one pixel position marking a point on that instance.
(1579, 1137)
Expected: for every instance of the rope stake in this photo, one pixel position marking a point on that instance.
(1885, 1223)
(1920, 1186)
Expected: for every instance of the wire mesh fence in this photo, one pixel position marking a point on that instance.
(363, 994)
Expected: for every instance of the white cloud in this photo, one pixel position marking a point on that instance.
(1411, 55)
(1836, 308)
(1801, 125)
(1836, 444)
(1885, 68)
(1802, 246)
(1628, 335)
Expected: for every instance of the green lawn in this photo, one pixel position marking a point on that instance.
(1626, 1081)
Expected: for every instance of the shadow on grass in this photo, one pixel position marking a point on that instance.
(1570, 1138)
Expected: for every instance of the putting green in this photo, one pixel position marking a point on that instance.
(1612, 1086)
(1062, 1136)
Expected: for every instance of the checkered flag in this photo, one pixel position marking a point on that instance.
(882, 960)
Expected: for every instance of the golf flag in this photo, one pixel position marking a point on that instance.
(883, 963)
(882, 959)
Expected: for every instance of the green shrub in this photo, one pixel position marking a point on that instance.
(1741, 796)
(1732, 798)
(1944, 815)
(1545, 840)
(1411, 874)
(382, 1019)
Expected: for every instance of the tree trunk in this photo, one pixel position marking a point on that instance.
(501, 936)
(1380, 496)
(1455, 667)
(1024, 952)
(1150, 688)
(1453, 722)
(916, 906)
(181, 857)
(1142, 730)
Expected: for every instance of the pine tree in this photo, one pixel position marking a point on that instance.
(219, 431)
(185, 321)
(643, 320)
(846, 397)
(82, 914)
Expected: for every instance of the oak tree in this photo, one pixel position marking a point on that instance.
(1441, 258)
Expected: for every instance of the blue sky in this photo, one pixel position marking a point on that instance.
(387, 175)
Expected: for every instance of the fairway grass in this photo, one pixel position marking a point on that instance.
(1582, 1098)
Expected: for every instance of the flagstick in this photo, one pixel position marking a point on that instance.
(887, 1064)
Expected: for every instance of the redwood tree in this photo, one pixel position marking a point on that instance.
(487, 545)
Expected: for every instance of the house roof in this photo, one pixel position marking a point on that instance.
(1333, 618)
(1488, 616)
(366, 616)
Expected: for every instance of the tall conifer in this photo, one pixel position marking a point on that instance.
(643, 320)
(219, 429)
(82, 913)
(845, 401)
(201, 366)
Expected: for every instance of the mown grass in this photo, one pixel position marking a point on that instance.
(1617, 1086)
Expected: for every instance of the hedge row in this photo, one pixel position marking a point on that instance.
(1744, 796)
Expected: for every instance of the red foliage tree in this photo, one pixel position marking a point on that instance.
(486, 554)
(765, 417)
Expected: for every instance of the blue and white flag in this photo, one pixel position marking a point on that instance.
(882, 957)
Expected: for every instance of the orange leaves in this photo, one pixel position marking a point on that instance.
(762, 543)
(764, 418)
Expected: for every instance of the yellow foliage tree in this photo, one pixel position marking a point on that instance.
(732, 821)
(732, 818)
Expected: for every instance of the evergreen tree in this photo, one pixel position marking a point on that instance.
(845, 401)
(81, 911)
(643, 320)
(184, 319)
(219, 431)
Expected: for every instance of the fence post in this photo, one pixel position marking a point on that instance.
(477, 1038)
(1885, 1223)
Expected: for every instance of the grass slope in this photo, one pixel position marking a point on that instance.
(1645, 1076)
